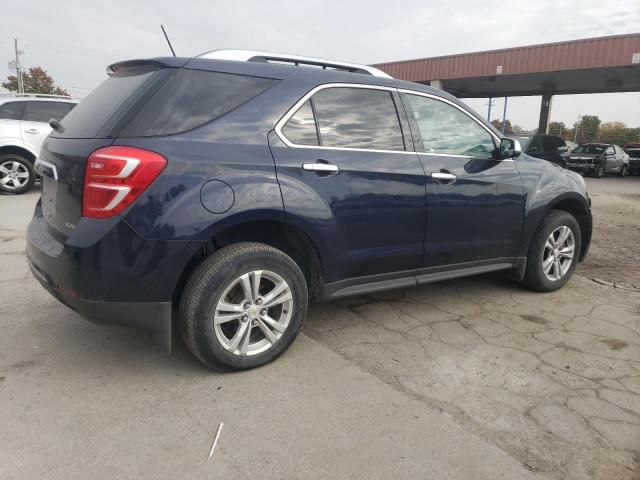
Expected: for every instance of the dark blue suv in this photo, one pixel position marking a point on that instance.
(224, 195)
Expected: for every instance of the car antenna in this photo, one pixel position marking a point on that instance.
(167, 38)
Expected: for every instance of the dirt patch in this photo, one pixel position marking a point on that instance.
(23, 364)
(614, 255)
(614, 344)
(534, 319)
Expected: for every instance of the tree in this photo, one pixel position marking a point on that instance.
(508, 130)
(558, 128)
(36, 80)
(588, 129)
(614, 132)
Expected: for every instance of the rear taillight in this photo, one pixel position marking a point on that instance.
(115, 176)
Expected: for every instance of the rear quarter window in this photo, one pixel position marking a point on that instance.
(191, 98)
(11, 110)
(44, 111)
(89, 117)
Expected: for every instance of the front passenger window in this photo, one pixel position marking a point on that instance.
(446, 130)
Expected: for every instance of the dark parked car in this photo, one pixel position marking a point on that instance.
(547, 147)
(596, 159)
(633, 150)
(223, 195)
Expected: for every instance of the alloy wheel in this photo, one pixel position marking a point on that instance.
(558, 253)
(13, 175)
(253, 313)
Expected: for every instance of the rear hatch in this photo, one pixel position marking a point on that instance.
(139, 99)
(86, 128)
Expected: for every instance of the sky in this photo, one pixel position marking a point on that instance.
(75, 40)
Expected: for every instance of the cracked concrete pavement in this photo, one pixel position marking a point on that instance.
(473, 378)
(552, 379)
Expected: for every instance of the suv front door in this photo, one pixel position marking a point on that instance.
(348, 173)
(474, 203)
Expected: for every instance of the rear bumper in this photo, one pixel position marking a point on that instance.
(107, 273)
(152, 316)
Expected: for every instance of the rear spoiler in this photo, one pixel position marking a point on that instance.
(141, 65)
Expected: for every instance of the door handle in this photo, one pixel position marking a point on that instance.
(450, 177)
(320, 167)
(32, 131)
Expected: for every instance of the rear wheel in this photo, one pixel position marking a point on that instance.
(554, 252)
(16, 174)
(243, 306)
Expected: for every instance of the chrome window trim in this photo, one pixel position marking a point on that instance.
(293, 110)
(496, 140)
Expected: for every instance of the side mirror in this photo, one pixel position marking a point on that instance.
(509, 148)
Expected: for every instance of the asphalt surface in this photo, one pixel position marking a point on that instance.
(469, 379)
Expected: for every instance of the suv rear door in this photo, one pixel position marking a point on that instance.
(474, 203)
(348, 172)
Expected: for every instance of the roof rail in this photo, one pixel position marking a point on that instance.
(35, 95)
(297, 60)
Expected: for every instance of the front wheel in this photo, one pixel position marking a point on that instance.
(554, 252)
(16, 174)
(243, 306)
(598, 172)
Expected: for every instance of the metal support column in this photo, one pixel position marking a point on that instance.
(545, 113)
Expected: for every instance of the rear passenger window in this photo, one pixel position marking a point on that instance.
(191, 98)
(446, 130)
(301, 127)
(11, 110)
(45, 111)
(358, 118)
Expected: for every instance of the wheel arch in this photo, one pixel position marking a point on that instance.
(577, 207)
(16, 150)
(274, 232)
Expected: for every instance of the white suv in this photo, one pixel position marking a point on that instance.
(24, 124)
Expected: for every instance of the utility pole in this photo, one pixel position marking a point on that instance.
(504, 115)
(19, 67)
(575, 136)
(489, 111)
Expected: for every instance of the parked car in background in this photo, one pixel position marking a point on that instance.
(596, 159)
(547, 147)
(24, 124)
(225, 194)
(570, 145)
(633, 150)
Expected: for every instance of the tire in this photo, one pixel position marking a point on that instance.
(220, 275)
(598, 172)
(535, 277)
(16, 174)
(623, 171)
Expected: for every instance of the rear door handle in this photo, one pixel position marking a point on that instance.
(320, 167)
(32, 131)
(450, 177)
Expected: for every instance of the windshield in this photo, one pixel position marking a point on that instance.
(596, 149)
